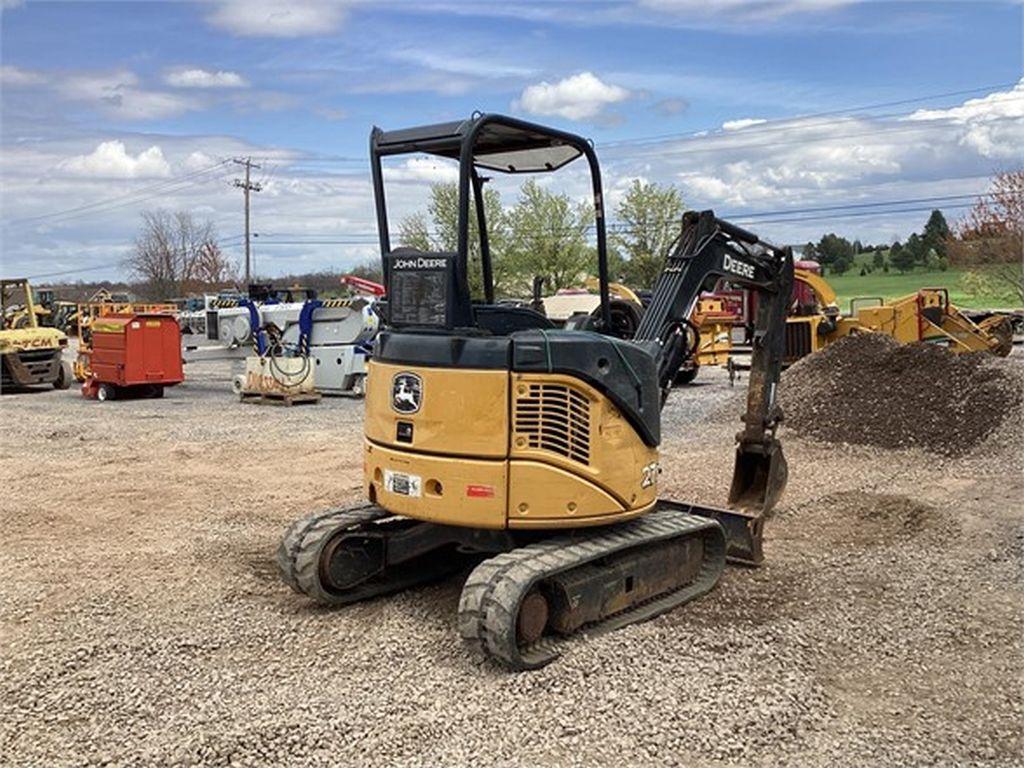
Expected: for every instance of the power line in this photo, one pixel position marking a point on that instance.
(790, 214)
(778, 123)
(92, 268)
(118, 201)
(725, 142)
(843, 216)
(909, 200)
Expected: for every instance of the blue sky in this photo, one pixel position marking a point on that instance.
(108, 105)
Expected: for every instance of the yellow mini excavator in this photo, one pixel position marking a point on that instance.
(496, 441)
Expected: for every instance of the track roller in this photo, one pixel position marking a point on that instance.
(517, 607)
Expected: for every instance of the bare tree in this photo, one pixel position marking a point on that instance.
(990, 238)
(176, 253)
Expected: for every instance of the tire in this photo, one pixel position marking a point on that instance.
(686, 376)
(359, 387)
(106, 392)
(157, 391)
(64, 376)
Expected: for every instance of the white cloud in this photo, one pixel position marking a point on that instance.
(743, 122)
(202, 78)
(331, 113)
(782, 165)
(272, 18)
(803, 160)
(16, 77)
(198, 161)
(745, 9)
(426, 169)
(120, 94)
(579, 97)
(111, 160)
(671, 107)
(990, 125)
(836, 160)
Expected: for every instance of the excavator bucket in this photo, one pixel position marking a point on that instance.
(758, 478)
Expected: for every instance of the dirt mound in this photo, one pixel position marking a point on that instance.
(877, 518)
(869, 390)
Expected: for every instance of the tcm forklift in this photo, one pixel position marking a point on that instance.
(494, 439)
(30, 354)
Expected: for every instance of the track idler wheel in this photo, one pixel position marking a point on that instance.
(305, 553)
(347, 555)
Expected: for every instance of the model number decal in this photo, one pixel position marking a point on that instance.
(729, 264)
(649, 475)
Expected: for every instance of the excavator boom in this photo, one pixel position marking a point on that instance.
(707, 250)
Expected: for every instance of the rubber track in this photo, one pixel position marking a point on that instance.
(495, 589)
(294, 552)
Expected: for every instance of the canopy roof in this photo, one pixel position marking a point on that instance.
(501, 143)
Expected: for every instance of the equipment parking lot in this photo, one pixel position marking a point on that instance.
(143, 622)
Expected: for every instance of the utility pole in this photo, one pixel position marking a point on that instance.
(247, 187)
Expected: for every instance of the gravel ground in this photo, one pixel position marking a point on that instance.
(141, 622)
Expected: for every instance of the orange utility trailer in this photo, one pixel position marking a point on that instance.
(134, 354)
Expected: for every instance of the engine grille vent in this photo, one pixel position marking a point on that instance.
(798, 341)
(556, 418)
(28, 356)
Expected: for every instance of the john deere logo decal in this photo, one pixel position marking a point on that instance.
(406, 392)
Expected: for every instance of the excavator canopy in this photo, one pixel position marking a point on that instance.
(498, 143)
(493, 143)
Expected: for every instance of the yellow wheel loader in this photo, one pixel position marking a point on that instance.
(497, 441)
(30, 355)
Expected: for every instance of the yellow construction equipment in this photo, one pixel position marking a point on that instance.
(815, 320)
(925, 316)
(494, 438)
(30, 354)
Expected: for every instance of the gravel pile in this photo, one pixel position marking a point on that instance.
(867, 389)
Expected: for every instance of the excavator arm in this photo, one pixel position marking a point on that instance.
(707, 250)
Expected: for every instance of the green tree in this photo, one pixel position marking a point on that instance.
(840, 265)
(652, 214)
(832, 247)
(936, 233)
(438, 230)
(915, 244)
(810, 252)
(878, 259)
(548, 238)
(902, 258)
